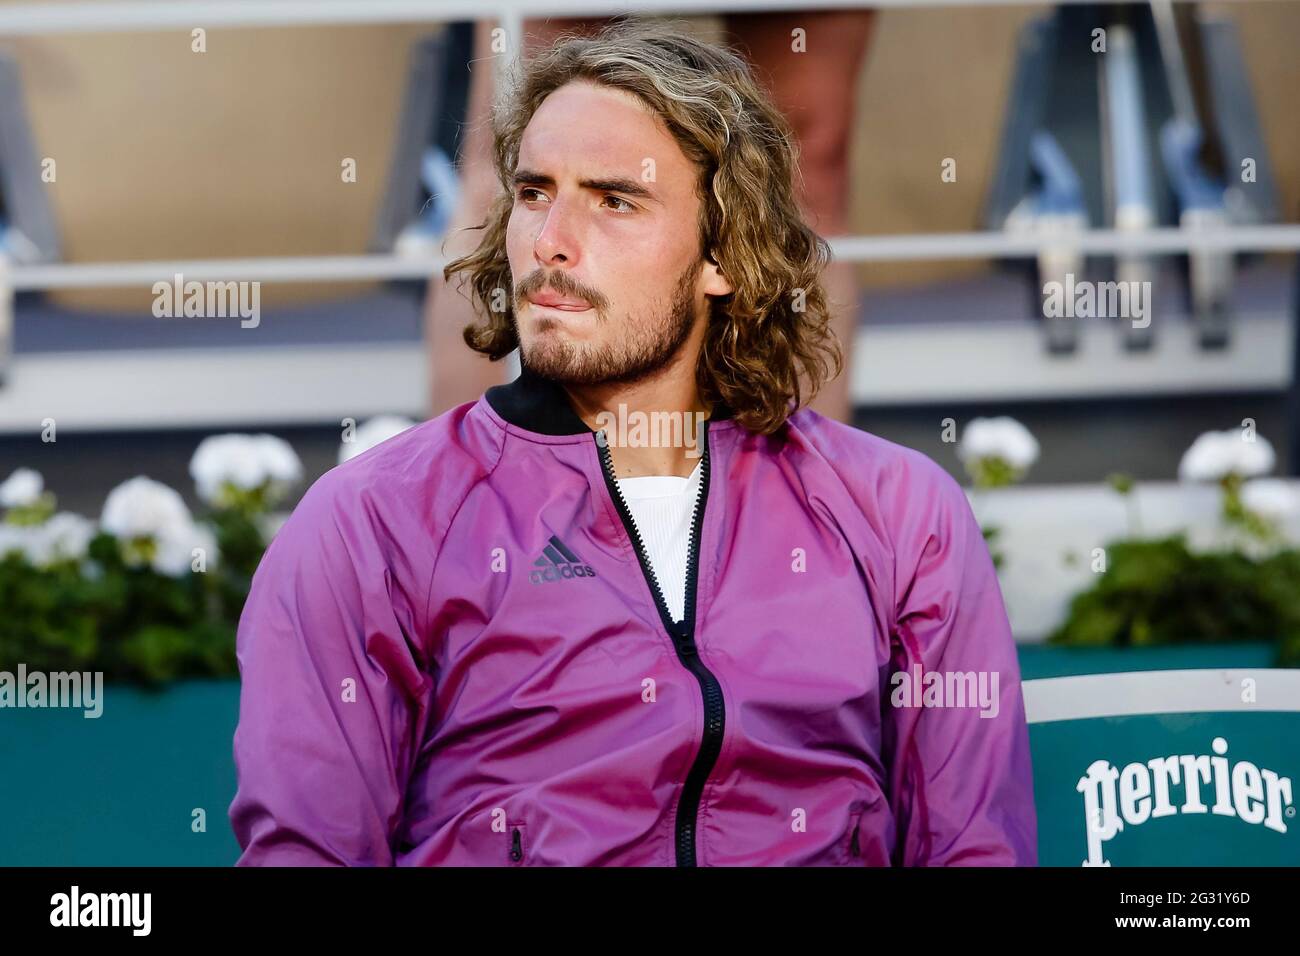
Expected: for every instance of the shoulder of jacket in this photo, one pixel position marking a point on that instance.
(424, 472)
(866, 460)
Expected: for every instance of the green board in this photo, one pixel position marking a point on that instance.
(1265, 741)
(123, 789)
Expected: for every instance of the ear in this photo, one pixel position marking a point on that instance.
(715, 283)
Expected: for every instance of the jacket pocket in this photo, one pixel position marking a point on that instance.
(854, 838)
(863, 843)
(517, 849)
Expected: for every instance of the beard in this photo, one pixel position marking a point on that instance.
(641, 347)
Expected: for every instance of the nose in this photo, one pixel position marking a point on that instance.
(556, 241)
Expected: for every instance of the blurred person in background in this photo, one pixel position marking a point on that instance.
(811, 76)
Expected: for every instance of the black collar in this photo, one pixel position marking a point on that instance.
(541, 405)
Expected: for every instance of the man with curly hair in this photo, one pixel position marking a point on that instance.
(640, 606)
(807, 60)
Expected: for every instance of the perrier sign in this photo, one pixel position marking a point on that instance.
(1210, 788)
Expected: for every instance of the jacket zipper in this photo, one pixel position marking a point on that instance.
(516, 846)
(683, 638)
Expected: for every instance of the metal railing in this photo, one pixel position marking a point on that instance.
(887, 248)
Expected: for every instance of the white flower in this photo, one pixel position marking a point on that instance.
(225, 458)
(143, 508)
(1269, 497)
(1209, 458)
(1215, 455)
(13, 538)
(1001, 437)
(64, 537)
(247, 462)
(21, 489)
(281, 461)
(175, 555)
(371, 433)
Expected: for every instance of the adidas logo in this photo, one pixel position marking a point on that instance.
(558, 562)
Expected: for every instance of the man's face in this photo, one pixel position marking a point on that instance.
(603, 242)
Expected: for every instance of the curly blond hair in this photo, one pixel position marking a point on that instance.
(775, 325)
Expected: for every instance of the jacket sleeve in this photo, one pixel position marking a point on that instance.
(961, 782)
(335, 695)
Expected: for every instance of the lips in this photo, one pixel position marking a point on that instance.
(550, 300)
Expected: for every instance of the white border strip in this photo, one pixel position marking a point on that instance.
(1134, 693)
(311, 383)
(926, 362)
(188, 388)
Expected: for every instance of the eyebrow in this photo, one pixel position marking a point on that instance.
(616, 184)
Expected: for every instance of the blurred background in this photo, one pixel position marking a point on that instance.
(316, 155)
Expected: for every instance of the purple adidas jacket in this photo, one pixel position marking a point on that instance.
(454, 652)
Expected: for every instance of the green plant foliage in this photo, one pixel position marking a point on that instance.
(1159, 592)
(132, 623)
(991, 542)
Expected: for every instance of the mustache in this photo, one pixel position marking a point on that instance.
(561, 283)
